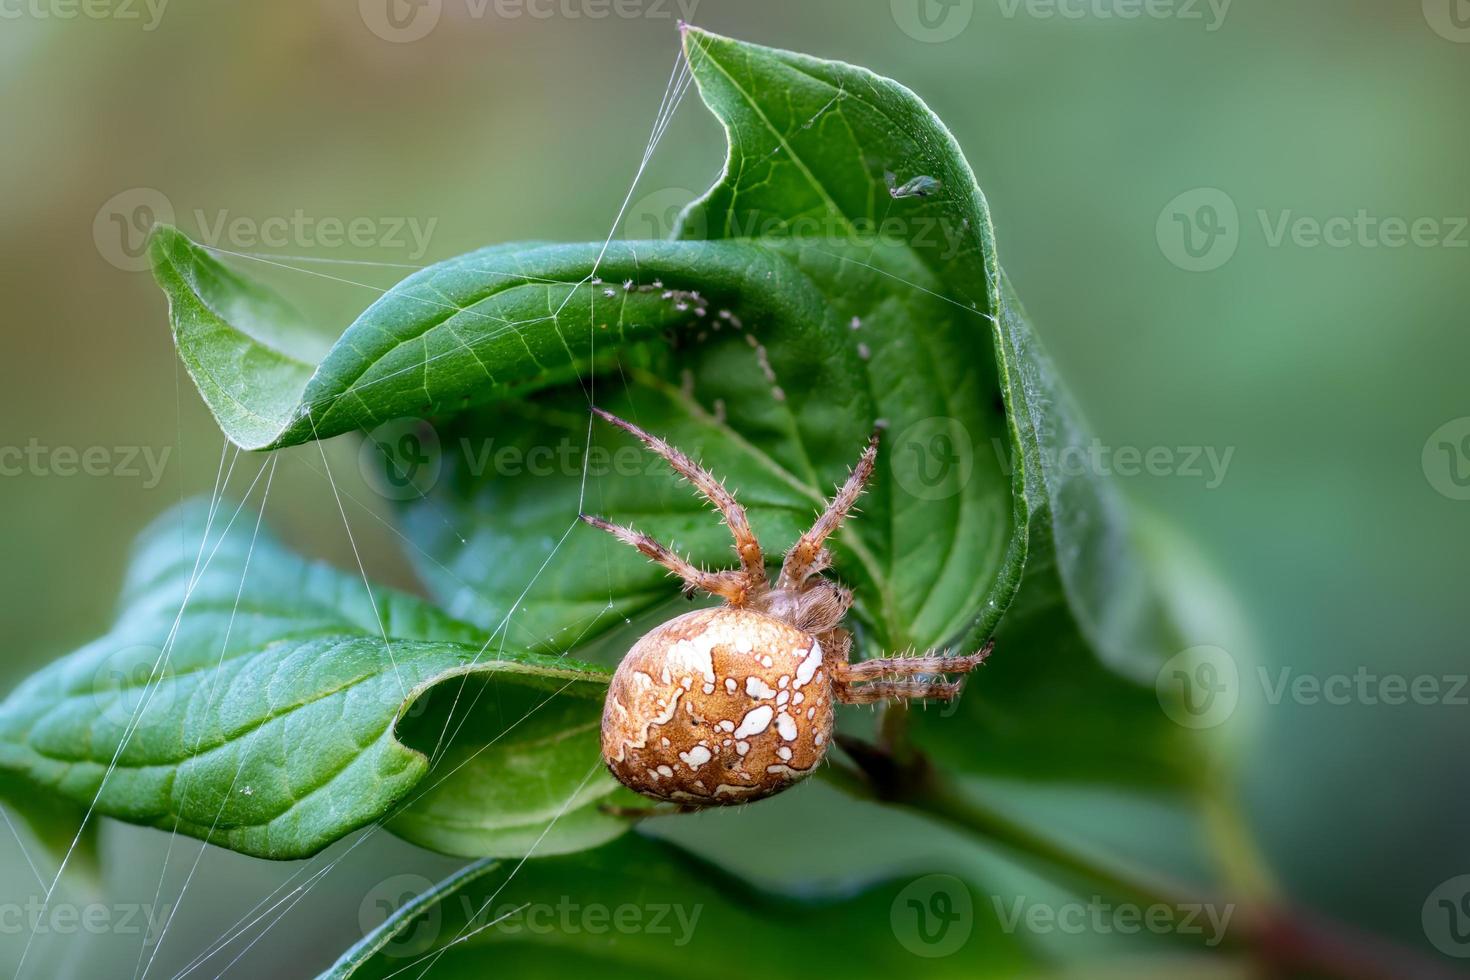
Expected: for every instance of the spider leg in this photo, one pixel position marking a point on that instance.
(733, 587)
(868, 680)
(752, 563)
(914, 666)
(909, 690)
(807, 557)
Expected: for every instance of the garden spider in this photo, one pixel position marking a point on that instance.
(734, 703)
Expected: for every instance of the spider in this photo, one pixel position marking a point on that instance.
(733, 703)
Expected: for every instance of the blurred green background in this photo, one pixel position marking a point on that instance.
(1328, 370)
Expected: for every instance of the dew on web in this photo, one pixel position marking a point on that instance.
(841, 94)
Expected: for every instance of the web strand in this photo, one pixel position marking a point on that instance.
(278, 905)
(150, 687)
(24, 851)
(209, 702)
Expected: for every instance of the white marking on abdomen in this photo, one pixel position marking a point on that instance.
(757, 688)
(756, 720)
(786, 725)
(808, 667)
(695, 757)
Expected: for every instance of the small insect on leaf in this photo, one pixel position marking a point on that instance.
(920, 186)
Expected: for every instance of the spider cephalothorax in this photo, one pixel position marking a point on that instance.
(734, 703)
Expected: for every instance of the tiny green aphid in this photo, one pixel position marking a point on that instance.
(734, 703)
(920, 186)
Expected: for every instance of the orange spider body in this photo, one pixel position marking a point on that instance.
(732, 704)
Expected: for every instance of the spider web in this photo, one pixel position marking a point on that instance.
(226, 951)
(257, 923)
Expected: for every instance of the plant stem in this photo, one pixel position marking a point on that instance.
(937, 797)
(1285, 941)
(1245, 870)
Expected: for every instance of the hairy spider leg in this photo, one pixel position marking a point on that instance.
(896, 678)
(752, 574)
(906, 690)
(731, 586)
(807, 557)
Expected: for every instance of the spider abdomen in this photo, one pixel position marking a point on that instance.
(716, 707)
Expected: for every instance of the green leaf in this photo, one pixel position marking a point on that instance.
(1090, 617)
(779, 406)
(271, 725)
(478, 328)
(1070, 694)
(516, 777)
(802, 305)
(247, 349)
(639, 908)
